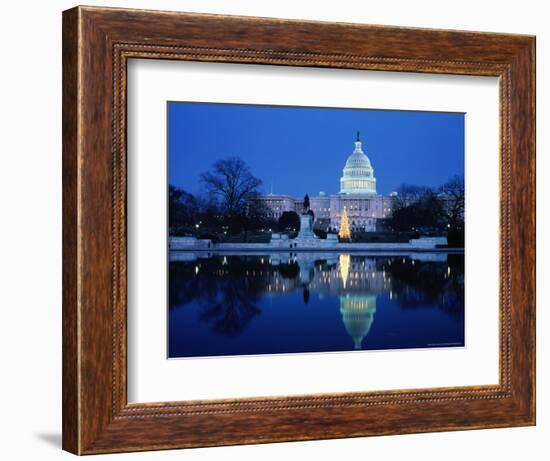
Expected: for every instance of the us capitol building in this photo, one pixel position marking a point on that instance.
(357, 196)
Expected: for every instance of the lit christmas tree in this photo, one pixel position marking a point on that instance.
(344, 233)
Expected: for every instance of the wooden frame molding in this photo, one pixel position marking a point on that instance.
(97, 43)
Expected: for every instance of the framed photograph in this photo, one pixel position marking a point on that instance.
(282, 230)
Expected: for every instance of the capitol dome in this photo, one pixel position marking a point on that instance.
(358, 177)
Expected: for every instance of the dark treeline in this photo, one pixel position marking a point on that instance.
(227, 207)
(430, 210)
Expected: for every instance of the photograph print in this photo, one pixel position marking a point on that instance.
(313, 229)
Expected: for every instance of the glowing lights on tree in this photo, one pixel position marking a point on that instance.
(344, 233)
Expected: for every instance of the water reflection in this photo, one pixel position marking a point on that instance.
(313, 302)
(358, 315)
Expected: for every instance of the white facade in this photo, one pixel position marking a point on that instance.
(358, 196)
(278, 204)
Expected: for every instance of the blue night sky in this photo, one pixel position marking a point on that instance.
(303, 150)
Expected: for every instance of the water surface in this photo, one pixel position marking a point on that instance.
(229, 304)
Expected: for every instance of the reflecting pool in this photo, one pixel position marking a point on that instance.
(237, 304)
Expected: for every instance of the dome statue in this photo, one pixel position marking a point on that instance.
(358, 177)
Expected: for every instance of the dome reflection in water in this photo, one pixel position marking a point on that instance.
(223, 305)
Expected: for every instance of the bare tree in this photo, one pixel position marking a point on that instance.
(232, 184)
(452, 196)
(182, 209)
(408, 194)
